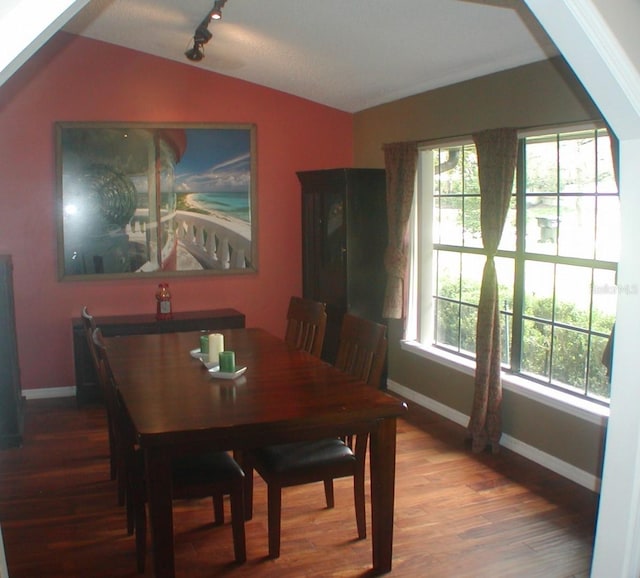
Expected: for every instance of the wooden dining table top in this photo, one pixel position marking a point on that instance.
(170, 393)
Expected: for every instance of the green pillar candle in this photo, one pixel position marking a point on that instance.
(227, 361)
(204, 344)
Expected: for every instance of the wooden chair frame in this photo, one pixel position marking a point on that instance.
(306, 325)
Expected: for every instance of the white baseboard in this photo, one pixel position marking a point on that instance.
(49, 392)
(546, 460)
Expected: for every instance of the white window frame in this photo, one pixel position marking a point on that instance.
(419, 327)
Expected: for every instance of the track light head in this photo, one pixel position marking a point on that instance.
(196, 53)
(216, 12)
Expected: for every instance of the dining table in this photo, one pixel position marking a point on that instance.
(178, 406)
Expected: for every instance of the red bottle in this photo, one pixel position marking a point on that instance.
(163, 297)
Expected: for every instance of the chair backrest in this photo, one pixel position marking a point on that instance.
(362, 349)
(89, 324)
(122, 428)
(87, 319)
(103, 369)
(306, 325)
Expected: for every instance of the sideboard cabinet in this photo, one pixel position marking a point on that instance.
(11, 399)
(87, 389)
(344, 237)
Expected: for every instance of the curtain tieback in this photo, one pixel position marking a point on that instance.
(490, 254)
(395, 261)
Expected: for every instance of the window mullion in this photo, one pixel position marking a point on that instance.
(518, 283)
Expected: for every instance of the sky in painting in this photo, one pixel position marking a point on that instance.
(215, 160)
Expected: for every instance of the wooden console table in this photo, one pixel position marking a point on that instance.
(87, 389)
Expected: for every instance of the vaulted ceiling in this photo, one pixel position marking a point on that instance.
(347, 54)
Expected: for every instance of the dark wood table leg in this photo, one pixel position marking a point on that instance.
(158, 464)
(383, 466)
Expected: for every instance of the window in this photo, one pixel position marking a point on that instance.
(556, 262)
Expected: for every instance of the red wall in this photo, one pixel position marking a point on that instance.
(75, 79)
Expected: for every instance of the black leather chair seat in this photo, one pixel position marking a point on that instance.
(202, 468)
(304, 455)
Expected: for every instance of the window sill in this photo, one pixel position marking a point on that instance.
(581, 408)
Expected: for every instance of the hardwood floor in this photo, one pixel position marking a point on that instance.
(457, 515)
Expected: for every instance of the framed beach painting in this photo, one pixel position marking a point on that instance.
(155, 199)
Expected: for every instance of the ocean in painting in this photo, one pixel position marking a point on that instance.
(233, 204)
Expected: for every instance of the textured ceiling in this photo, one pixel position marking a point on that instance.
(347, 54)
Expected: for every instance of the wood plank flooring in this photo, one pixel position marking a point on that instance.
(457, 514)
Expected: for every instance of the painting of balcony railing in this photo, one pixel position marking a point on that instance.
(168, 199)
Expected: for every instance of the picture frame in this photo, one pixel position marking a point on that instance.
(157, 200)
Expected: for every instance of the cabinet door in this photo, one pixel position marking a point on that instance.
(366, 243)
(324, 246)
(331, 268)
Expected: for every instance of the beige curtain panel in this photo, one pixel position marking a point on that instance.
(497, 154)
(401, 160)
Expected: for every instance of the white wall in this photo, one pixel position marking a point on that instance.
(598, 38)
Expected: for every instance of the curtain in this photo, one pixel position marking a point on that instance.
(401, 160)
(497, 154)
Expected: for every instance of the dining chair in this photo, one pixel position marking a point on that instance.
(306, 325)
(89, 325)
(194, 476)
(362, 348)
(118, 456)
(361, 353)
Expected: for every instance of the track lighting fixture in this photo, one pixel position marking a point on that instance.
(203, 34)
(196, 53)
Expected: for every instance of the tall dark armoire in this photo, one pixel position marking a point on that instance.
(11, 401)
(344, 237)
